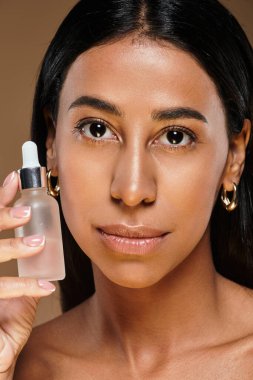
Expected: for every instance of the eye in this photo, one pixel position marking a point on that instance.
(176, 137)
(94, 129)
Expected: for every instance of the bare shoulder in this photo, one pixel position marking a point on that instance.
(237, 302)
(32, 361)
(47, 347)
(32, 364)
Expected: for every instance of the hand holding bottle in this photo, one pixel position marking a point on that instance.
(19, 297)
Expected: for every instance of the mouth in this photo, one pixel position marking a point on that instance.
(138, 240)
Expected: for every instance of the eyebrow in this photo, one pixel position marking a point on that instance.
(178, 113)
(158, 115)
(96, 103)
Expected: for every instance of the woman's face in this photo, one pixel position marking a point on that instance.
(141, 147)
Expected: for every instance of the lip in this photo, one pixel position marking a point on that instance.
(138, 240)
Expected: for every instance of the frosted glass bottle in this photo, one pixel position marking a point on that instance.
(45, 220)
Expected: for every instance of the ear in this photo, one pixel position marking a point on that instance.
(50, 143)
(236, 156)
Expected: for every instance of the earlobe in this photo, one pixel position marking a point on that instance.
(236, 157)
(50, 143)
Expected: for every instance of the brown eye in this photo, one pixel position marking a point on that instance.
(97, 129)
(175, 137)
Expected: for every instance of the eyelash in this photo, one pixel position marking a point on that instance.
(178, 128)
(80, 124)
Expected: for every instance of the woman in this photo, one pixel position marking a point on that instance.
(143, 112)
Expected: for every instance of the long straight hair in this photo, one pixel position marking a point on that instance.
(210, 33)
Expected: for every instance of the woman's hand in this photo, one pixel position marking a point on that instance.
(19, 297)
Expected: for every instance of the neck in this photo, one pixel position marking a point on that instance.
(178, 313)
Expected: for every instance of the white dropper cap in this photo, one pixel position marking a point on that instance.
(32, 175)
(30, 155)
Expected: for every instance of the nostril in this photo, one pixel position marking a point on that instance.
(149, 200)
(116, 200)
(132, 202)
(116, 197)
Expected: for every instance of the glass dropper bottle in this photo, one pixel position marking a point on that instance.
(45, 220)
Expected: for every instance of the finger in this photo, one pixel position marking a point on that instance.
(11, 287)
(9, 189)
(12, 217)
(15, 248)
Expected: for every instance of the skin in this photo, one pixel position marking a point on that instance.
(168, 313)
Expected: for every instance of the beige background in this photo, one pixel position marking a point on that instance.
(26, 28)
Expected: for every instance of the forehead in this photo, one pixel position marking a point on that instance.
(141, 69)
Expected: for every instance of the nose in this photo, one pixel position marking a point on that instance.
(134, 180)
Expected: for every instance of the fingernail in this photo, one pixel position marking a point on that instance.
(8, 179)
(34, 240)
(46, 285)
(20, 212)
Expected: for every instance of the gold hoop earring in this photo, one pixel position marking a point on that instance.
(229, 205)
(54, 191)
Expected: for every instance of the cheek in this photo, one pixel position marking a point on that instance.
(189, 185)
(84, 178)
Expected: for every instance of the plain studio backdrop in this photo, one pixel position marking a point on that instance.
(26, 29)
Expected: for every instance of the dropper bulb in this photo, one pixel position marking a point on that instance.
(30, 155)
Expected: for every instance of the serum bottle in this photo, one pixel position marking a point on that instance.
(45, 220)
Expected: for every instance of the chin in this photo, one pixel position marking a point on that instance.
(133, 279)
